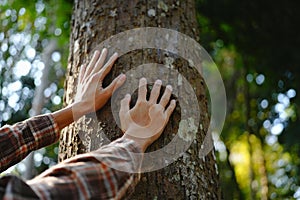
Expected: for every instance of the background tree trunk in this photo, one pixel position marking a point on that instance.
(94, 21)
(39, 101)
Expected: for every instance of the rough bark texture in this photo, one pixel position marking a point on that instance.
(94, 21)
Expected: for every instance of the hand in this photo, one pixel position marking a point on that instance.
(145, 122)
(90, 95)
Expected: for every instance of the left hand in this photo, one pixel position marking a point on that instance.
(145, 122)
(90, 95)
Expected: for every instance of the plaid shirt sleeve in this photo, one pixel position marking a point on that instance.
(91, 175)
(18, 140)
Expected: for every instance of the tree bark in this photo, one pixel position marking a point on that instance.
(189, 177)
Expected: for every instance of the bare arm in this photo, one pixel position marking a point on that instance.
(18, 140)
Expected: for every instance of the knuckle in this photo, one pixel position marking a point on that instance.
(96, 76)
(140, 103)
(123, 101)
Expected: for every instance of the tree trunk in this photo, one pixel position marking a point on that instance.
(189, 177)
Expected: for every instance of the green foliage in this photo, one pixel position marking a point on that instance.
(26, 29)
(258, 59)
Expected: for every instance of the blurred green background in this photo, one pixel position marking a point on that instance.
(254, 43)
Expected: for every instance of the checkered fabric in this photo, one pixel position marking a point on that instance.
(91, 175)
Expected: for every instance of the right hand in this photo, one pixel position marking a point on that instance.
(145, 122)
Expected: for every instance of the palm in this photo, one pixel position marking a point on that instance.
(140, 114)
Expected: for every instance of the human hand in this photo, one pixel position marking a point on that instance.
(145, 122)
(90, 95)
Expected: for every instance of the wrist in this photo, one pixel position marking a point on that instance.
(140, 142)
(63, 117)
(79, 109)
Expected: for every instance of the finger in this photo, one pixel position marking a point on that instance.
(92, 63)
(142, 93)
(115, 84)
(100, 62)
(155, 92)
(170, 108)
(124, 105)
(107, 67)
(81, 73)
(166, 96)
(156, 113)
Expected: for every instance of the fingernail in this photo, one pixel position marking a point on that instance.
(143, 79)
(96, 52)
(115, 54)
(169, 87)
(127, 96)
(158, 82)
(122, 77)
(104, 49)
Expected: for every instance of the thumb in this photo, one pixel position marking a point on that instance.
(125, 105)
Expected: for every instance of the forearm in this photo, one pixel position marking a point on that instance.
(106, 173)
(68, 115)
(63, 117)
(18, 140)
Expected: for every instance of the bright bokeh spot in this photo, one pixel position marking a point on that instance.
(56, 56)
(291, 93)
(264, 103)
(277, 129)
(15, 86)
(13, 99)
(30, 52)
(260, 79)
(249, 78)
(22, 68)
(56, 100)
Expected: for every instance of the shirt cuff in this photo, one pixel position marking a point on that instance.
(128, 154)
